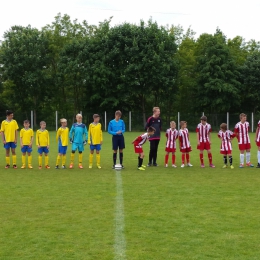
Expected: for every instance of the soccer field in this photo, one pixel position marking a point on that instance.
(157, 214)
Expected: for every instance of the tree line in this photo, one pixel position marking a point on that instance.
(71, 66)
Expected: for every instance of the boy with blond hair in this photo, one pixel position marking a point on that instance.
(77, 133)
(95, 139)
(43, 144)
(26, 140)
(9, 129)
(62, 137)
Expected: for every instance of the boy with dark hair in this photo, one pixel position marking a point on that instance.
(26, 140)
(9, 129)
(138, 142)
(116, 128)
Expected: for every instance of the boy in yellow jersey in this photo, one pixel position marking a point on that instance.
(9, 129)
(43, 143)
(26, 140)
(95, 140)
(62, 137)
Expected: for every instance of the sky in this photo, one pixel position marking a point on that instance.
(233, 17)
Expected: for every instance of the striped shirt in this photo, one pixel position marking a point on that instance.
(184, 138)
(258, 132)
(225, 140)
(242, 132)
(203, 131)
(171, 135)
(141, 139)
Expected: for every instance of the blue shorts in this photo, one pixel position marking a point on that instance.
(96, 147)
(43, 149)
(10, 145)
(62, 149)
(118, 141)
(26, 149)
(79, 146)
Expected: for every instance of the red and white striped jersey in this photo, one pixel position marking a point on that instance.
(225, 140)
(171, 135)
(242, 133)
(184, 138)
(203, 131)
(258, 132)
(141, 139)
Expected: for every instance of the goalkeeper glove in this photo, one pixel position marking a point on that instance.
(85, 142)
(71, 140)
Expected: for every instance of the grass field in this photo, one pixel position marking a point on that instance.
(161, 213)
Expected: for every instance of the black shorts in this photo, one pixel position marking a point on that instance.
(118, 141)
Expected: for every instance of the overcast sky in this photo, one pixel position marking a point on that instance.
(233, 17)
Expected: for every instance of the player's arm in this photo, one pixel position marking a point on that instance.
(89, 134)
(209, 138)
(37, 139)
(256, 133)
(123, 127)
(198, 135)
(30, 145)
(101, 136)
(57, 135)
(2, 133)
(86, 136)
(48, 140)
(110, 129)
(72, 130)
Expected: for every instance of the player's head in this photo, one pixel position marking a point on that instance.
(203, 120)
(151, 130)
(9, 114)
(156, 111)
(63, 122)
(223, 127)
(26, 123)
(96, 118)
(243, 117)
(172, 125)
(79, 118)
(183, 124)
(43, 124)
(118, 114)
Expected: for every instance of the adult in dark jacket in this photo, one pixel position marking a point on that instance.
(156, 122)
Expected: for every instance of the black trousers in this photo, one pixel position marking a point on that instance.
(153, 150)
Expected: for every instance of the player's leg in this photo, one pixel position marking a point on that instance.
(13, 146)
(258, 157)
(248, 155)
(72, 155)
(40, 151)
(46, 158)
(23, 160)
(140, 160)
(242, 158)
(156, 144)
(91, 157)
(121, 145)
(210, 159)
(98, 148)
(7, 155)
(188, 159)
(230, 160)
(80, 159)
(58, 159)
(166, 158)
(183, 159)
(151, 152)
(114, 148)
(29, 155)
(201, 159)
(225, 160)
(173, 160)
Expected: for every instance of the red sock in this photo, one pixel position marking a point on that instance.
(173, 159)
(187, 157)
(183, 158)
(201, 158)
(210, 158)
(166, 158)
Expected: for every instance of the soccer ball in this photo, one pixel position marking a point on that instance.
(118, 167)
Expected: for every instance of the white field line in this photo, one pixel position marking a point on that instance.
(120, 242)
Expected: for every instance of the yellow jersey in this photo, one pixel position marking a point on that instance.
(95, 134)
(42, 138)
(62, 136)
(9, 128)
(26, 136)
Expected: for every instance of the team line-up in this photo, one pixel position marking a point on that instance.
(79, 136)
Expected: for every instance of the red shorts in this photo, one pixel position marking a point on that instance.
(226, 152)
(203, 146)
(170, 150)
(138, 149)
(186, 150)
(258, 144)
(243, 147)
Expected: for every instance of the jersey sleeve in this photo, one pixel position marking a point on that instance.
(101, 134)
(197, 129)
(89, 133)
(86, 133)
(48, 138)
(21, 133)
(148, 123)
(72, 130)
(16, 126)
(37, 138)
(123, 126)
(2, 127)
(32, 133)
(176, 134)
(210, 128)
(110, 128)
(236, 128)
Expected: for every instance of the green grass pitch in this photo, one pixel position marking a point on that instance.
(183, 213)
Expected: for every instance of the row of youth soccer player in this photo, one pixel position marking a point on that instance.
(203, 130)
(76, 135)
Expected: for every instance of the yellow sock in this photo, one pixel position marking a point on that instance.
(72, 155)
(90, 159)
(80, 158)
(14, 159)
(98, 158)
(7, 159)
(24, 159)
(40, 160)
(29, 159)
(46, 160)
(58, 160)
(63, 159)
